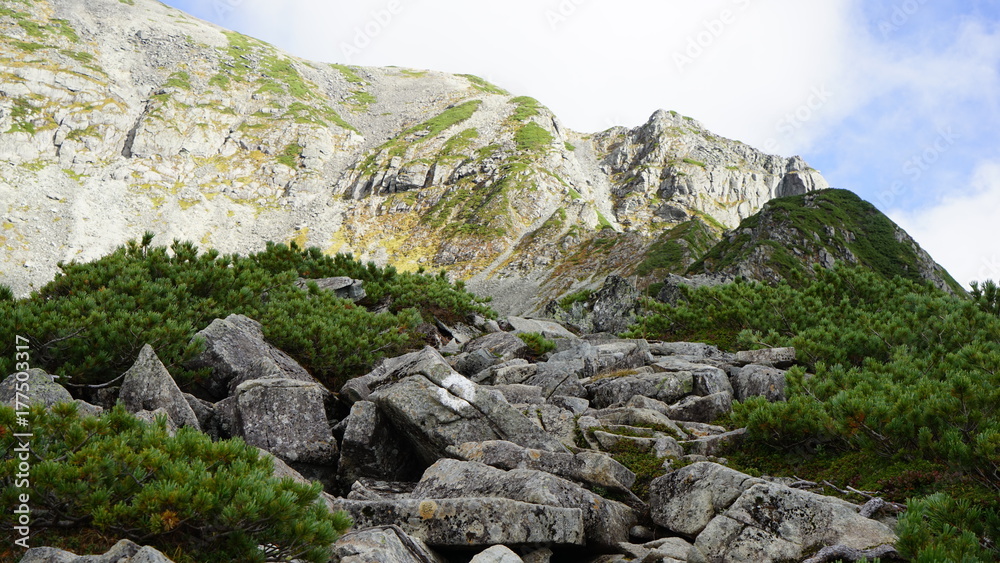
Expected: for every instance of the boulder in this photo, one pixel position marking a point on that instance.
(149, 417)
(591, 468)
(372, 448)
(777, 357)
(382, 544)
(470, 522)
(36, 388)
(236, 351)
(716, 443)
(548, 329)
(706, 379)
(125, 551)
(671, 291)
(560, 378)
(614, 306)
(513, 372)
(341, 286)
(686, 500)
(644, 418)
(471, 363)
(517, 393)
(688, 349)
(436, 407)
(502, 345)
(147, 385)
(606, 522)
(759, 381)
(772, 522)
(702, 409)
(557, 422)
(496, 554)
(665, 386)
(287, 418)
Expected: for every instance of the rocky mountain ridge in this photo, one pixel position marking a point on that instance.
(121, 117)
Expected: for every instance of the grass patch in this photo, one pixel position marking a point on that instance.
(348, 73)
(532, 138)
(694, 162)
(482, 85)
(290, 156)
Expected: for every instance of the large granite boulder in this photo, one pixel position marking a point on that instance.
(667, 387)
(435, 407)
(382, 544)
(759, 381)
(372, 448)
(686, 500)
(501, 345)
(35, 387)
(125, 551)
(606, 522)
(148, 386)
(236, 351)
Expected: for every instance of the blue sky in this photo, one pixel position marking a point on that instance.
(897, 100)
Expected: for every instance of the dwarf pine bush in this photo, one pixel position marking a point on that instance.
(90, 322)
(185, 495)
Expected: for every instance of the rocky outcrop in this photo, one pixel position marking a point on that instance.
(382, 544)
(124, 551)
(147, 385)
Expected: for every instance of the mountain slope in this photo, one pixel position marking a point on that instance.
(791, 234)
(120, 117)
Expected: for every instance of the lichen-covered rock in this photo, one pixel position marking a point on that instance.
(147, 385)
(382, 544)
(548, 329)
(38, 388)
(502, 345)
(606, 522)
(496, 554)
(585, 467)
(372, 448)
(702, 409)
(759, 381)
(125, 551)
(771, 522)
(686, 500)
(287, 418)
(777, 357)
(667, 387)
(470, 522)
(236, 351)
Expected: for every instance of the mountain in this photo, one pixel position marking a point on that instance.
(791, 234)
(118, 117)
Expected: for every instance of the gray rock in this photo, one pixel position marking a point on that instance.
(702, 409)
(614, 306)
(287, 418)
(125, 551)
(519, 394)
(496, 554)
(513, 372)
(666, 387)
(236, 351)
(436, 407)
(686, 500)
(777, 357)
(471, 363)
(502, 345)
(557, 422)
(548, 329)
(147, 385)
(372, 448)
(585, 467)
(696, 349)
(341, 286)
(639, 417)
(759, 381)
(559, 378)
(40, 389)
(576, 405)
(469, 522)
(149, 417)
(671, 291)
(382, 544)
(707, 379)
(606, 522)
(661, 446)
(715, 444)
(772, 522)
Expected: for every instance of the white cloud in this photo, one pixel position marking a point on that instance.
(960, 232)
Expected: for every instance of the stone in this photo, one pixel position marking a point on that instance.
(372, 448)
(702, 409)
(548, 329)
(660, 446)
(606, 522)
(517, 393)
(36, 388)
(716, 443)
(502, 345)
(666, 387)
(287, 418)
(496, 554)
(639, 417)
(341, 286)
(777, 357)
(707, 379)
(615, 305)
(576, 405)
(690, 349)
(671, 291)
(587, 467)
(436, 407)
(470, 522)
(559, 378)
(236, 351)
(472, 363)
(149, 417)
(771, 522)
(147, 385)
(513, 373)
(382, 544)
(759, 381)
(125, 551)
(686, 500)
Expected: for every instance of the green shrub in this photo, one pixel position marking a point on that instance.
(185, 495)
(941, 528)
(538, 344)
(581, 296)
(90, 322)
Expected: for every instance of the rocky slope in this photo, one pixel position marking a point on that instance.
(600, 451)
(791, 235)
(119, 117)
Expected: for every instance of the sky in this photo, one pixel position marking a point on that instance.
(896, 100)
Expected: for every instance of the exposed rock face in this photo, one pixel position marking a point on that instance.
(124, 551)
(372, 448)
(125, 117)
(382, 544)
